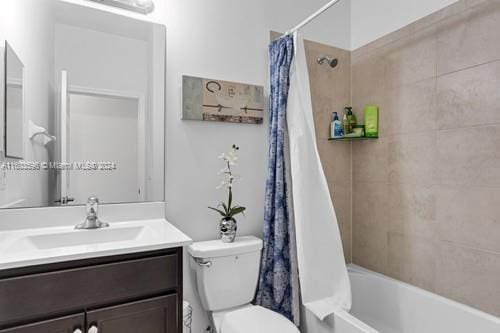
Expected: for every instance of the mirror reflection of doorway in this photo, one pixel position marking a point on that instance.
(106, 128)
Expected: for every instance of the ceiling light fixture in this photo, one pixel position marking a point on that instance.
(140, 6)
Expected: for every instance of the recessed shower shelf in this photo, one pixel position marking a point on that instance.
(352, 139)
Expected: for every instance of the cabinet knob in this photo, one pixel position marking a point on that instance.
(93, 329)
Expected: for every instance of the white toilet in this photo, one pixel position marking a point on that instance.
(227, 275)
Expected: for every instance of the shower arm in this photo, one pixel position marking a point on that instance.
(312, 17)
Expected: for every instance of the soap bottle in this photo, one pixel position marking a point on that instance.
(351, 119)
(345, 124)
(336, 129)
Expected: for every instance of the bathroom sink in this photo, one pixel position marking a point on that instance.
(26, 247)
(85, 237)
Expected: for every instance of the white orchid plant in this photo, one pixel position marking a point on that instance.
(227, 211)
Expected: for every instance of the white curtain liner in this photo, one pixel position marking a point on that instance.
(324, 281)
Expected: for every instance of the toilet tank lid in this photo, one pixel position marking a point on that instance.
(216, 248)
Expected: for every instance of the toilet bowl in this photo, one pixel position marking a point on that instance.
(226, 278)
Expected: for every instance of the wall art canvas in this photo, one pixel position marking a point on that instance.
(217, 100)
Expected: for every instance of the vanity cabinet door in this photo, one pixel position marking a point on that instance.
(70, 324)
(155, 315)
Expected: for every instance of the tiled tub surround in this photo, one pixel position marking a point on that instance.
(426, 195)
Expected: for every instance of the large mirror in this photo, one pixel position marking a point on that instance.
(94, 104)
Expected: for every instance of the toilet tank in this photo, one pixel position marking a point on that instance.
(226, 273)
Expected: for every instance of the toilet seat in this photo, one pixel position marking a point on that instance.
(254, 319)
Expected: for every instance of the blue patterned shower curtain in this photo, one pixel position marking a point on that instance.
(278, 282)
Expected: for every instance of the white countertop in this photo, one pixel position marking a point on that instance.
(28, 247)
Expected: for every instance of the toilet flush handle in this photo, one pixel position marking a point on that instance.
(205, 264)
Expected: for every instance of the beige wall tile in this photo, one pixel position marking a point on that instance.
(370, 247)
(336, 160)
(469, 97)
(274, 35)
(469, 39)
(413, 260)
(411, 59)
(469, 276)
(473, 3)
(412, 159)
(412, 210)
(469, 156)
(469, 216)
(369, 75)
(411, 108)
(370, 225)
(370, 160)
(370, 204)
(341, 198)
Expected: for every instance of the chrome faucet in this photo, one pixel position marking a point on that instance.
(92, 221)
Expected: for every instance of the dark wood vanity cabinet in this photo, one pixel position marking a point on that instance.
(67, 324)
(133, 293)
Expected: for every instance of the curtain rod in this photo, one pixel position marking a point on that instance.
(312, 17)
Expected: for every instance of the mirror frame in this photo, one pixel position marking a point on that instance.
(5, 111)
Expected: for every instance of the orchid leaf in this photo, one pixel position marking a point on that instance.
(237, 210)
(218, 211)
(226, 209)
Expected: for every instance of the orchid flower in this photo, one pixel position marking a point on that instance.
(230, 160)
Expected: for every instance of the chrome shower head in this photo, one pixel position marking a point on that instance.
(332, 62)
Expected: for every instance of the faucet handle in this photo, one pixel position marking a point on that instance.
(92, 206)
(92, 221)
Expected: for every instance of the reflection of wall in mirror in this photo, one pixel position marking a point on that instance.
(30, 188)
(14, 105)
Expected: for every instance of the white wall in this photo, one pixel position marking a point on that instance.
(33, 43)
(371, 19)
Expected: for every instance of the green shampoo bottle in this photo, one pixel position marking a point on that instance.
(371, 121)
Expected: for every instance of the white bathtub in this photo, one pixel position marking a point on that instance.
(385, 305)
